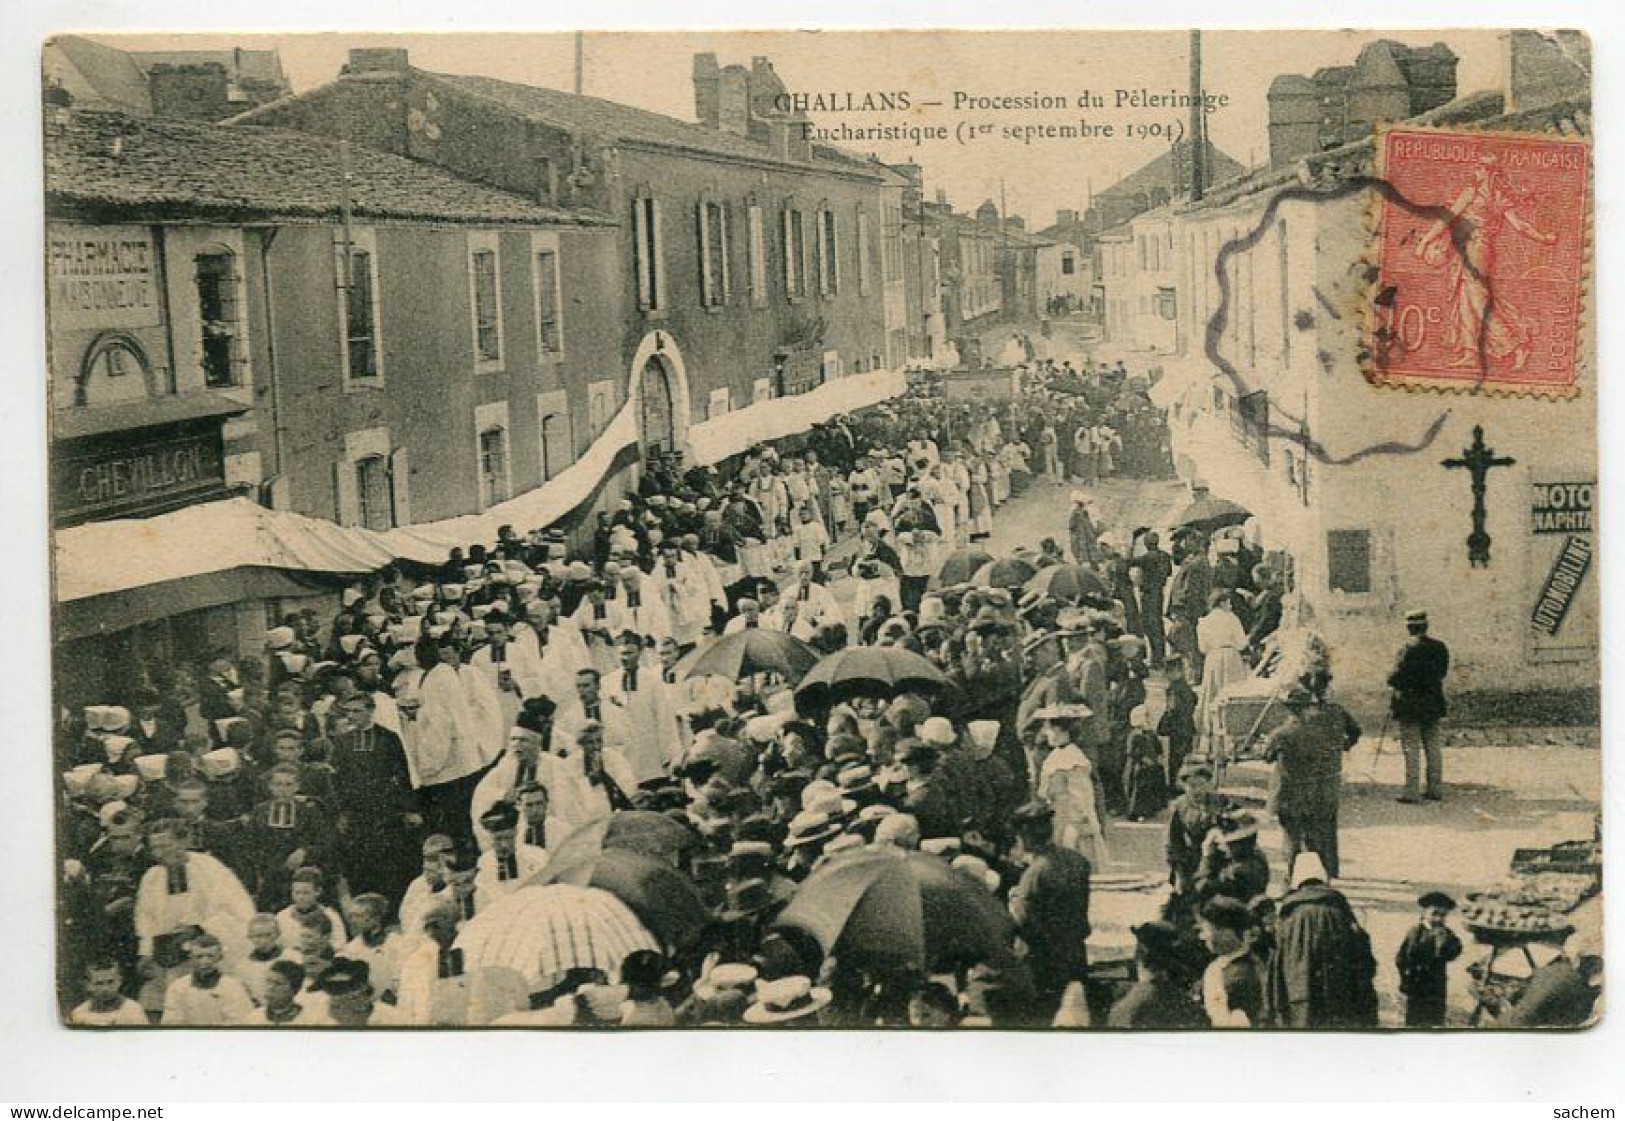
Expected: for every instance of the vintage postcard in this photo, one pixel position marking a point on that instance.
(1052, 530)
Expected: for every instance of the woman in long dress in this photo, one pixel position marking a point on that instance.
(1221, 639)
(1066, 780)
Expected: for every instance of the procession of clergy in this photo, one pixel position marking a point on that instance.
(298, 838)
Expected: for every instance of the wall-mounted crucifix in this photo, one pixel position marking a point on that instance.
(1478, 460)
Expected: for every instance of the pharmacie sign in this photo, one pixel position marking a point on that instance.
(102, 276)
(1562, 507)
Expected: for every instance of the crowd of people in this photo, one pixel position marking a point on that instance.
(301, 838)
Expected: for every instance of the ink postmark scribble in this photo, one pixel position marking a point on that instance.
(1479, 288)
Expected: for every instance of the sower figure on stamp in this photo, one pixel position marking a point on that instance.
(1418, 706)
(1478, 319)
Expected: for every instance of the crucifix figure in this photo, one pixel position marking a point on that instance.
(1478, 460)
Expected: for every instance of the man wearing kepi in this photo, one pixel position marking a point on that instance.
(1418, 706)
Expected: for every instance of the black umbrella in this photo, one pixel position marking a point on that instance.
(961, 566)
(1208, 513)
(751, 651)
(884, 671)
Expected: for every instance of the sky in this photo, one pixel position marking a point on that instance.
(653, 70)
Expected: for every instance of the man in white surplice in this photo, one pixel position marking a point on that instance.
(443, 743)
(653, 742)
(685, 592)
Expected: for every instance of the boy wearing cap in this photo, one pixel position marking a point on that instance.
(1423, 962)
(509, 862)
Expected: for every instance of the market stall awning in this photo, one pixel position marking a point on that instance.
(714, 440)
(101, 558)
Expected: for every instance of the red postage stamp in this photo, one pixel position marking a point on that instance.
(1481, 261)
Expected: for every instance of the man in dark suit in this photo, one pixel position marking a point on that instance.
(1050, 904)
(1418, 705)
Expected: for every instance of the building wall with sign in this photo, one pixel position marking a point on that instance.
(105, 289)
(1347, 477)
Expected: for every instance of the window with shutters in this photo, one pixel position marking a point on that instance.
(891, 248)
(648, 263)
(486, 287)
(795, 257)
(712, 221)
(829, 253)
(549, 315)
(1348, 560)
(600, 405)
(557, 453)
(373, 493)
(756, 249)
(362, 349)
(863, 251)
(371, 481)
(493, 466)
(221, 345)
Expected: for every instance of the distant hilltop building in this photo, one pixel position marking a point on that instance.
(185, 85)
(1389, 81)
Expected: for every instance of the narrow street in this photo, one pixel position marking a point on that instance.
(1502, 794)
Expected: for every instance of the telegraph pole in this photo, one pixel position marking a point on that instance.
(1198, 125)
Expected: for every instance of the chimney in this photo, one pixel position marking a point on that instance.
(1066, 217)
(1295, 119)
(707, 79)
(194, 92)
(733, 101)
(378, 60)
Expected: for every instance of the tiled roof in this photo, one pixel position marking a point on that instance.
(159, 168)
(611, 121)
(1160, 173)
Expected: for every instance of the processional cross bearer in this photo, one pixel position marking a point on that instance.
(1478, 460)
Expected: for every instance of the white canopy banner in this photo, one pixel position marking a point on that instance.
(714, 440)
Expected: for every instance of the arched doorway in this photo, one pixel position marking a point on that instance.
(657, 379)
(655, 427)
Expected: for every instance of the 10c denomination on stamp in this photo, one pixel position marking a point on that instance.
(1481, 257)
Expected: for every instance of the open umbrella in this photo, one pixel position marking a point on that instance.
(540, 931)
(751, 651)
(961, 565)
(1208, 513)
(869, 671)
(1071, 582)
(641, 831)
(663, 899)
(897, 906)
(1009, 572)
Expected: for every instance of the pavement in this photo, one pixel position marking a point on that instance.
(1505, 788)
